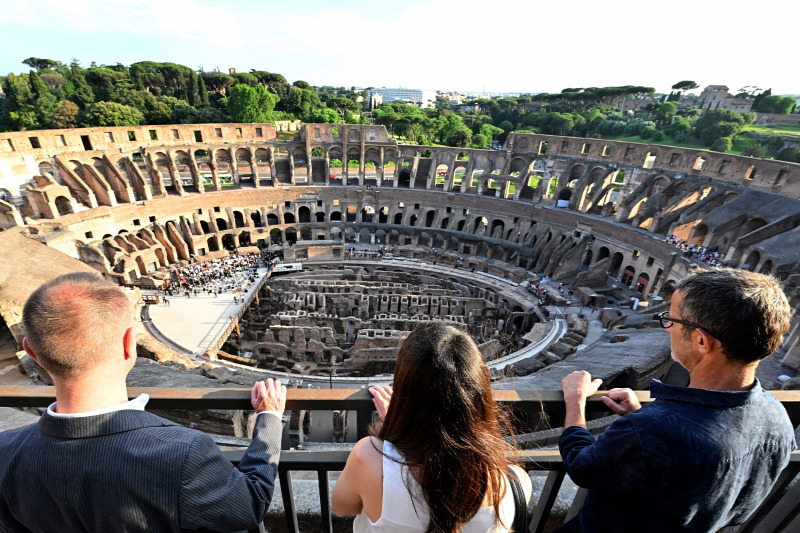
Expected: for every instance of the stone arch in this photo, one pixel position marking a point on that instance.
(238, 220)
(641, 283)
(291, 235)
(255, 216)
(305, 233)
(752, 261)
(275, 236)
(616, 263)
(336, 216)
(767, 267)
(272, 219)
(404, 178)
(367, 214)
(222, 224)
(320, 216)
(63, 205)
(628, 274)
(213, 244)
(288, 218)
(304, 214)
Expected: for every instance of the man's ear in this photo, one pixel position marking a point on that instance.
(705, 341)
(129, 343)
(29, 350)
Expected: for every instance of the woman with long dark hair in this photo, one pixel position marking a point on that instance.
(439, 461)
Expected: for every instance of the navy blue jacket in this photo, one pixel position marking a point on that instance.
(692, 460)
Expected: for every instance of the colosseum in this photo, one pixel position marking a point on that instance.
(396, 234)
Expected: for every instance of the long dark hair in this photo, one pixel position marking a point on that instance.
(443, 420)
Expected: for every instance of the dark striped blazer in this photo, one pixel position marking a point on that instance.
(132, 471)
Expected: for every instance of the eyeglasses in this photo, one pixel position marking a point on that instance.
(667, 321)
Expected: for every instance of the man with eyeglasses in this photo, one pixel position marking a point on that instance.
(697, 458)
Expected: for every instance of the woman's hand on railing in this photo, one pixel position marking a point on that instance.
(382, 394)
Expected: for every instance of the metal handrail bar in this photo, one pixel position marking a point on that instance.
(779, 509)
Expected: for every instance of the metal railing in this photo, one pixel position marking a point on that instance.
(779, 512)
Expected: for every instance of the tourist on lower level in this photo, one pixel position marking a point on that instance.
(98, 462)
(698, 458)
(439, 461)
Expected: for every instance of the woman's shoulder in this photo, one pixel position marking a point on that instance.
(368, 451)
(525, 481)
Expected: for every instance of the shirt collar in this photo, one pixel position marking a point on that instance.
(703, 396)
(137, 404)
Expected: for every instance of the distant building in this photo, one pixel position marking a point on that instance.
(718, 97)
(414, 96)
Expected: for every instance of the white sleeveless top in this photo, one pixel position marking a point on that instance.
(400, 514)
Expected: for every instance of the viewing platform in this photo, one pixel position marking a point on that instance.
(780, 512)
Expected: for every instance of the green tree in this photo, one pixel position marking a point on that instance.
(192, 94)
(755, 150)
(202, 93)
(664, 111)
(19, 112)
(560, 122)
(113, 114)
(81, 93)
(479, 140)
(789, 154)
(718, 123)
(210, 115)
(323, 115)
(342, 105)
(183, 114)
(683, 86)
(40, 64)
(65, 115)
(782, 105)
(251, 104)
(723, 144)
(218, 83)
(301, 101)
(44, 102)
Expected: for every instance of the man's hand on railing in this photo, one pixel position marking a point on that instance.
(268, 395)
(382, 394)
(578, 386)
(621, 401)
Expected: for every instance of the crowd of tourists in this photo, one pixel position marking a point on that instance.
(215, 275)
(690, 250)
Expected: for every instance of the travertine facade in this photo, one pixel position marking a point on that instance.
(128, 201)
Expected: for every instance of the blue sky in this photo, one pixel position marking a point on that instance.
(510, 46)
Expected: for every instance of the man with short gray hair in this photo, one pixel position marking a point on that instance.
(697, 458)
(98, 462)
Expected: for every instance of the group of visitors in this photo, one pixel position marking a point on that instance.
(214, 276)
(695, 458)
(694, 251)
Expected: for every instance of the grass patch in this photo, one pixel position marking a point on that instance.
(776, 129)
(669, 141)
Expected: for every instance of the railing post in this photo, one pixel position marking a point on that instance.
(546, 500)
(363, 421)
(324, 502)
(287, 493)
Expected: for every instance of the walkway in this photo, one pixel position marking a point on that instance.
(196, 324)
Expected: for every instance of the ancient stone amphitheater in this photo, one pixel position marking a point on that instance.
(471, 226)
